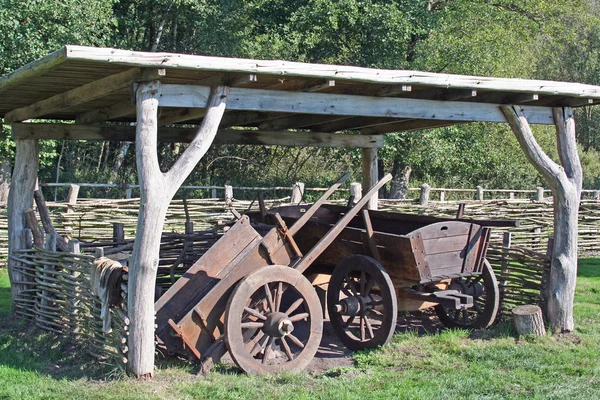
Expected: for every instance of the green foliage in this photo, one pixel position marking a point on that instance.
(508, 38)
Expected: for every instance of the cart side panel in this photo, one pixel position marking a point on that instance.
(203, 324)
(203, 275)
(394, 250)
(448, 248)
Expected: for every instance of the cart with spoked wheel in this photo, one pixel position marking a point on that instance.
(253, 295)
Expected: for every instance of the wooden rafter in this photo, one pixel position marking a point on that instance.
(185, 135)
(83, 94)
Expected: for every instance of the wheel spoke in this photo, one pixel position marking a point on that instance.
(465, 316)
(294, 306)
(369, 286)
(252, 325)
(286, 347)
(362, 328)
(346, 291)
(351, 285)
(299, 317)
(255, 313)
(296, 341)
(369, 327)
(279, 296)
(259, 343)
(269, 297)
(363, 281)
(349, 321)
(376, 312)
(268, 350)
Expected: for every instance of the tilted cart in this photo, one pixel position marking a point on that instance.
(249, 294)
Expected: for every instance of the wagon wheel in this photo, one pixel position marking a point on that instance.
(486, 301)
(273, 321)
(362, 304)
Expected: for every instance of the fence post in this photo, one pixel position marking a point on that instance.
(71, 201)
(297, 193)
(118, 232)
(442, 196)
(213, 193)
(424, 196)
(479, 193)
(189, 243)
(511, 196)
(505, 262)
(228, 194)
(596, 194)
(355, 192)
(539, 195)
(128, 193)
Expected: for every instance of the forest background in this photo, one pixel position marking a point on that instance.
(556, 40)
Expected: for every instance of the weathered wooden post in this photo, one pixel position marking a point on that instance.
(539, 193)
(424, 195)
(596, 194)
(442, 196)
(4, 181)
(20, 199)
(128, 193)
(479, 193)
(297, 193)
(505, 262)
(565, 180)
(511, 196)
(228, 194)
(156, 191)
(369, 173)
(355, 192)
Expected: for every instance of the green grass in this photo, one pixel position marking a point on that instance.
(452, 365)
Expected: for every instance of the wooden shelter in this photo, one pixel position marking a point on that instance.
(87, 93)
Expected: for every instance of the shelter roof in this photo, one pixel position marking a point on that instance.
(92, 85)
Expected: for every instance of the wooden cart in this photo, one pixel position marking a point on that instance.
(249, 294)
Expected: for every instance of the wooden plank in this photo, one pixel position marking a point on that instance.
(336, 72)
(445, 244)
(185, 135)
(82, 94)
(443, 229)
(340, 104)
(406, 125)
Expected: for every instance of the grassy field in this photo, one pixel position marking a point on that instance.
(452, 365)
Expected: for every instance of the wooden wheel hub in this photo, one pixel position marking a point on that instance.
(358, 305)
(278, 324)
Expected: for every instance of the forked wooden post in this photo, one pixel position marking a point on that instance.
(565, 180)
(156, 191)
(20, 199)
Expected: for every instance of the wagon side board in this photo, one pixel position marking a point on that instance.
(447, 249)
(202, 277)
(203, 324)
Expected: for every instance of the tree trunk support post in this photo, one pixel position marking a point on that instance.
(565, 181)
(369, 173)
(156, 191)
(20, 199)
(297, 193)
(424, 194)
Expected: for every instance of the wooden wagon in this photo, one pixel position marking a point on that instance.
(254, 295)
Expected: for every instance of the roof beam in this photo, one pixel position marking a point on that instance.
(185, 135)
(406, 125)
(337, 104)
(83, 94)
(108, 113)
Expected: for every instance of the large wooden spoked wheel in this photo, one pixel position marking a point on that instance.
(486, 301)
(361, 301)
(273, 321)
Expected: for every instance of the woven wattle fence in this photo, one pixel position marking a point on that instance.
(58, 297)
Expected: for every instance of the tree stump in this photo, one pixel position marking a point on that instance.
(528, 320)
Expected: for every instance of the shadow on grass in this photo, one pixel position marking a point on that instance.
(27, 348)
(588, 268)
